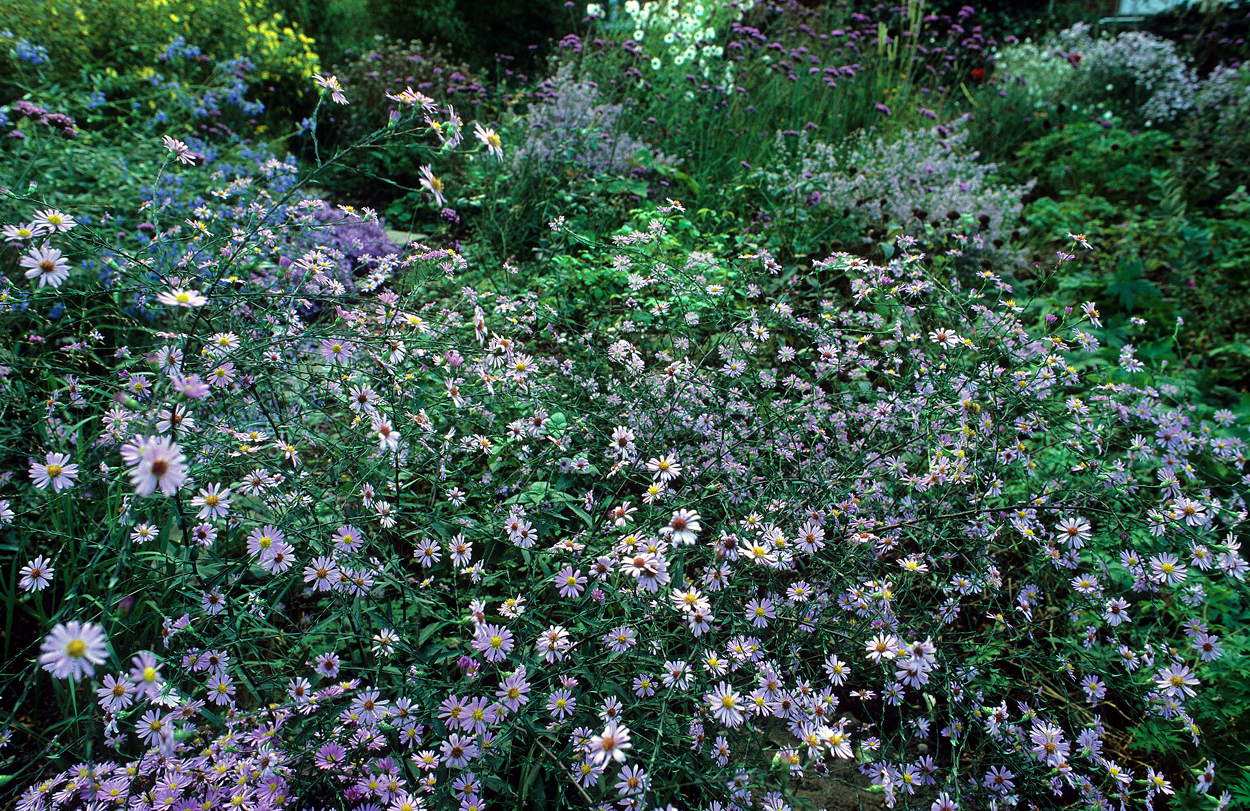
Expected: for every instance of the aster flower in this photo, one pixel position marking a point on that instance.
(179, 149)
(665, 468)
(178, 297)
(1176, 679)
(683, 527)
(52, 221)
(160, 464)
(213, 501)
(117, 694)
(47, 265)
(73, 649)
(609, 745)
(490, 139)
(724, 703)
(432, 184)
(494, 642)
(36, 575)
(55, 470)
(332, 84)
(22, 232)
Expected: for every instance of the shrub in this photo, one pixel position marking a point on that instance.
(920, 182)
(1135, 76)
(570, 127)
(93, 36)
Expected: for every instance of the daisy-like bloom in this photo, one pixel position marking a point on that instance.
(192, 386)
(214, 602)
(458, 750)
(55, 470)
(514, 692)
(1074, 531)
(336, 350)
(608, 745)
(1176, 679)
(161, 464)
(1116, 612)
(36, 575)
(561, 704)
(117, 694)
(388, 437)
(490, 139)
(620, 639)
(322, 574)
(665, 468)
(348, 538)
(1049, 745)
(571, 582)
(22, 232)
(1167, 569)
(73, 649)
(181, 151)
(724, 703)
(262, 540)
(553, 643)
(46, 264)
(1091, 312)
(213, 501)
(53, 221)
(178, 297)
(145, 672)
(683, 527)
(331, 83)
(221, 689)
(413, 98)
(152, 728)
(493, 641)
(433, 185)
(882, 646)
(944, 337)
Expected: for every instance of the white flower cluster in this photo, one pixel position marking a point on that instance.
(682, 35)
(1135, 74)
(1042, 70)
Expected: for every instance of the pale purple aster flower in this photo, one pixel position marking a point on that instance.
(1176, 679)
(53, 221)
(73, 649)
(458, 750)
(36, 575)
(213, 501)
(609, 745)
(55, 470)
(117, 694)
(161, 464)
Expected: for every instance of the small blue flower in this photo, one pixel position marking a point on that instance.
(29, 52)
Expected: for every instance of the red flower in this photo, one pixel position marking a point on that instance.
(978, 74)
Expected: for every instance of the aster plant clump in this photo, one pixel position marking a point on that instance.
(409, 544)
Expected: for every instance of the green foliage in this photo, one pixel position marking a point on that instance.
(122, 39)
